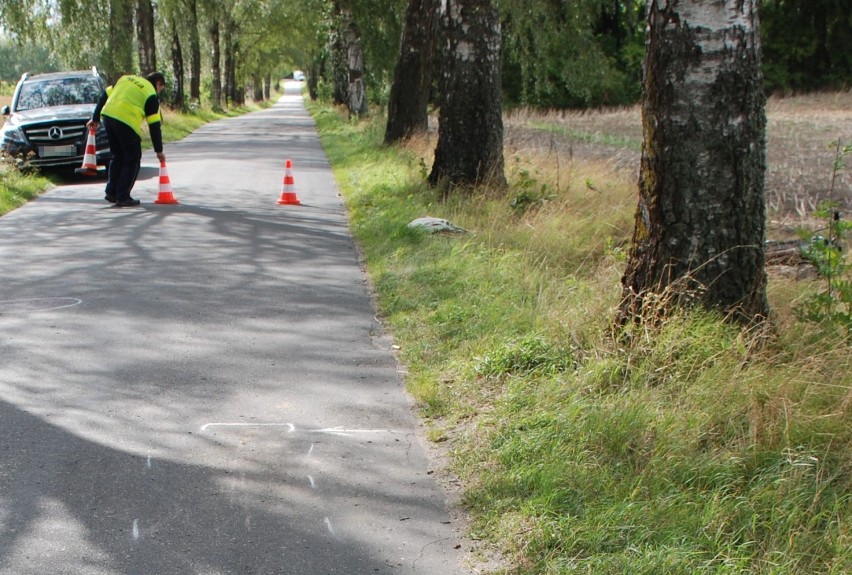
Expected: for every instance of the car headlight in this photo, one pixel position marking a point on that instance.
(12, 136)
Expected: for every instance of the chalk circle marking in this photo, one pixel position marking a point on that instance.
(37, 304)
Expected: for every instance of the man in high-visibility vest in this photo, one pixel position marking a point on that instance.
(122, 108)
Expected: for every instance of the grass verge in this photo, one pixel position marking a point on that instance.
(694, 448)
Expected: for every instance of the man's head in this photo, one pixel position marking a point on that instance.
(157, 80)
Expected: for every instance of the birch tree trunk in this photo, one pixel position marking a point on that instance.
(215, 64)
(147, 48)
(178, 91)
(228, 43)
(409, 96)
(338, 65)
(700, 224)
(194, 52)
(357, 100)
(470, 130)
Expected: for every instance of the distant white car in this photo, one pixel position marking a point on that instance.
(299, 76)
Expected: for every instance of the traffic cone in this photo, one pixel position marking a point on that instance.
(90, 162)
(288, 194)
(166, 196)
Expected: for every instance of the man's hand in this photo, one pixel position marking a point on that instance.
(162, 157)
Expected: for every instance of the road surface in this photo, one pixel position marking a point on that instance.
(202, 388)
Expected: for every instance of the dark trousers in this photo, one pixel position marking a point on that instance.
(126, 148)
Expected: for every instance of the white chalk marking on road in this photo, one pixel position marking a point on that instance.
(148, 464)
(313, 483)
(290, 427)
(38, 304)
(311, 450)
(330, 528)
(135, 529)
(339, 430)
(349, 432)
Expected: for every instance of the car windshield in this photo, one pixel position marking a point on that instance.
(58, 92)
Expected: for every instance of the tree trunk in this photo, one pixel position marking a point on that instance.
(178, 92)
(194, 53)
(338, 53)
(409, 96)
(357, 90)
(470, 131)
(313, 78)
(699, 226)
(216, 87)
(257, 87)
(145, 36)
(230, 90)
(120, 42)
(235, 79)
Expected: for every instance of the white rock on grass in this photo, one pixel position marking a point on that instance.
(436, 225)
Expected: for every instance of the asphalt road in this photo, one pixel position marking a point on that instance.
(203, 389)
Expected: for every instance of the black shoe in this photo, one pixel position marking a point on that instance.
(109, 198)
(128, 203)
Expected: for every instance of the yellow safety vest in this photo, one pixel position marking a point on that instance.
(126, 102)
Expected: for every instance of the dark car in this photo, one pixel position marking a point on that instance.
(46, 123)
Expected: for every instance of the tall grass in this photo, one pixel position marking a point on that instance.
(17, 188)
(692, 447)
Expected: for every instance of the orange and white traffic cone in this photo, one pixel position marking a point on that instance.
(288, 193)
(90, 161)
(165, 196)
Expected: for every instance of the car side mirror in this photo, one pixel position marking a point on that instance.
(5, 110)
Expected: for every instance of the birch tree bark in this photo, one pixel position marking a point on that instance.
(470, 130)
(178, 91)
(215, 64)
(700, 223)
(146, 45)
(194, 52)
(338, 56)
(409, 96)
(228, 30)
(357, 92)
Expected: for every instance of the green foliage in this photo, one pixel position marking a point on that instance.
(381, 23)
(806, 44)
(572, 55)
(578, 54)
(528, 192)
(527, 354)
(15, 59)
(272, 35)
(834, 304)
